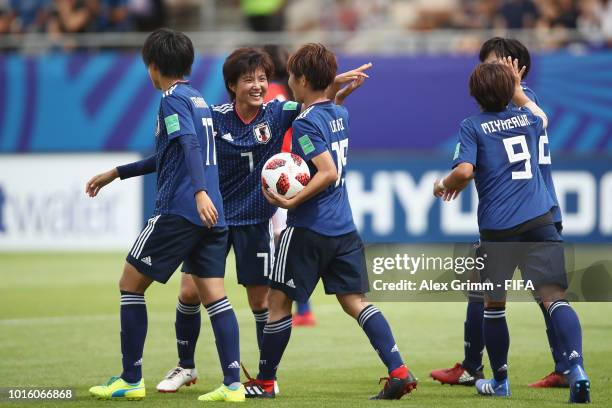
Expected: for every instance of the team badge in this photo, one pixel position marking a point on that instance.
(262, 133)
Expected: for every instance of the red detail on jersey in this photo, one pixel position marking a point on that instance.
(286, 147)
(297, 159)
(275, 164)
(246, 122)
(282, 185)
(303, 178)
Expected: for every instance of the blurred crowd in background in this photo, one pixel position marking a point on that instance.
(591, 19)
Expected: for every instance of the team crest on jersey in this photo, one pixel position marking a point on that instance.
(262, 133)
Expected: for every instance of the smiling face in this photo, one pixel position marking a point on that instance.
(250, 88)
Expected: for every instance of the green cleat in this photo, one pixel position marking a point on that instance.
(225, 394)
(117, 389)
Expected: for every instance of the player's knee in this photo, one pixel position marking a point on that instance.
(279, 304)
(132, 280)
(493, 303)
(189, 294)
(258, 297)
(352, 304)
(258, 303)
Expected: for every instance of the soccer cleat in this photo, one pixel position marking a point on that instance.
(457, 375)
(395, 388)
(552, 380)
(176, 378)
(580, 386)
(305, 320)
(116, 388)
(254, 388)
(493, 388)
(224, 394)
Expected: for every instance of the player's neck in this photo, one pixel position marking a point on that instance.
(313, 97)
(167, 83)
(246, 111)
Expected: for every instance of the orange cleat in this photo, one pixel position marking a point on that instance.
(456, 375)
(307, 320)
(552, 380)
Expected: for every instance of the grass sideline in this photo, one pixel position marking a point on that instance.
(59, 327)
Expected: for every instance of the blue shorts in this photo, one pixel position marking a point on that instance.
(254, 252)
(538, 253)
(304, 256)
(168, 240)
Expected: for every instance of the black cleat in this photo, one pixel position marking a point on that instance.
(396, 388)
(254, 388)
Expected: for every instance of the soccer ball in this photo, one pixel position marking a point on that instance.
(286, 174)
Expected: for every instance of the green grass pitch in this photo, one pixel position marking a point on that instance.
(59, 327)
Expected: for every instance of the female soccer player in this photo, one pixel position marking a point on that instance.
(188, 224)
(514, 217)
(321, 240)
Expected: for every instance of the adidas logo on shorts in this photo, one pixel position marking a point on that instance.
(146, 260)
(290, 283)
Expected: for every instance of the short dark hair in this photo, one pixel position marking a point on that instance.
(171, 52)
(492, 85)
(316, 63)
(507, 47)
(242, 61)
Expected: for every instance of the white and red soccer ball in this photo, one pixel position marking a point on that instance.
(286, 174)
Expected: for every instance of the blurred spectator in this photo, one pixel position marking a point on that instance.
(5, 17)
(73, 16)
(147, 15)
(28, 15)
(113, 15)
(567, 14)
(264, 15)
(518, 14)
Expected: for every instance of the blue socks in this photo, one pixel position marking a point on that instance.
(497, 340)
(553, 341)
(261, 318)
(378, 331)
(225, 328)
(473, 337)
(187, 327)
(568, 331)
(133, 334)
(275, 339)
(303, 307)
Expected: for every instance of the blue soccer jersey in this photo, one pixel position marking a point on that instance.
(544, 160)
(320, 128)
(183, 111)
(503, 148)
(242, 149)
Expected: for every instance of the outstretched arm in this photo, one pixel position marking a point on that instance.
(138, 168)
(449, 187)
(338, 91)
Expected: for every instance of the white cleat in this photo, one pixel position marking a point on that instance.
(276, 389)
(176, 378)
